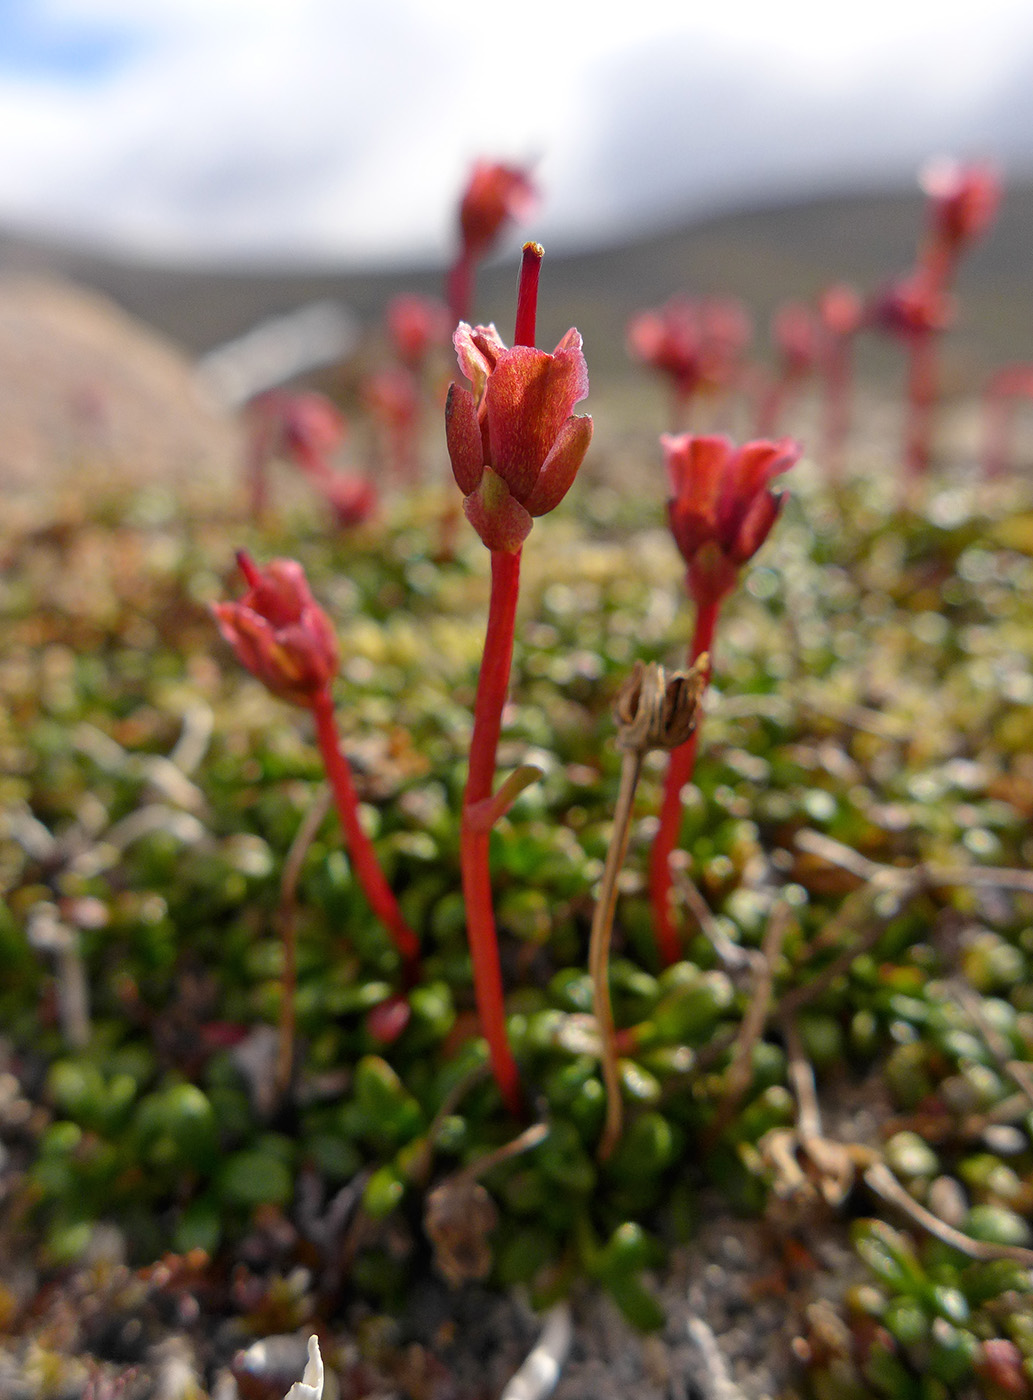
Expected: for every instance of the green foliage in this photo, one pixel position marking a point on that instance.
(873, 683)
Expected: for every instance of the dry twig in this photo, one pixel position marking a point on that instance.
(652, 712)
(751, 1028)
(881, 1180)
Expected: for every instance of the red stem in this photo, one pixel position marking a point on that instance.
(492, 687)
(921, 397)
(679, 772)
(527, 294)
(459, 287)
(360, 848)
(998, 416)
(838, 367)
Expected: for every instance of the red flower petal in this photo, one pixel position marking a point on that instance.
(529, 396)
(561, 466)
(463, 437)
(755, 526)
(477, 350)
(696, 466)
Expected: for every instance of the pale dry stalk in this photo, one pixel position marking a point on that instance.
(652, 711)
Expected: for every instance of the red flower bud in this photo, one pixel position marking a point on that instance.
(515, 446)
(279, 631)
(415, 325)
(840, 310)
(720, 509)
(696, 344)
(963, 200)
(495, 194)
(911, 307)
(797, 337)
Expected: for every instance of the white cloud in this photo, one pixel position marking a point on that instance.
(333, 128)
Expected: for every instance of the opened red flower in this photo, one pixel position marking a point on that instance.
(280, 632)
(721, 510)
(514, 443)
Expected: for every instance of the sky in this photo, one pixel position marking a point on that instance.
(341, 131)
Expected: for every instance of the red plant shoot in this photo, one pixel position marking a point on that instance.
(306, 429)
(495, 195)
(515, 448)
(916, 309)
(721, 511)
(797, 336)
(416, 325)
(841, 314)
(1001, 398)
(283, 637)
(963, 201)
(697, 346)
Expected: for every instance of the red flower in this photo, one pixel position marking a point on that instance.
(721, 510)
(696, 344)
(840, 310)
(415, 325)
(392, 396)
(304, 426)
(963, 201)
(797, 337)
(514, 443)
(353, 499)
(912, 307)
(280, 632)
(494, 194)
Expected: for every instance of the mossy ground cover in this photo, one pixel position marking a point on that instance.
(873, 687)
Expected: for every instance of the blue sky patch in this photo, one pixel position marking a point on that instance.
(34, 44)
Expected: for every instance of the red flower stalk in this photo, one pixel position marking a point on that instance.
(841, 314)
(1000, 401)
(515, 449)
(916, 309)
(283, 637)
(307, 429)
(721, 511)
(416, 325)
(696, 345)
(963, 203)
(393, 398)
(495, 195)
(797, 336)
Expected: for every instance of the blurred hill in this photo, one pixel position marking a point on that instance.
(763, 256)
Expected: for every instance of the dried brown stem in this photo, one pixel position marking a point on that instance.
(524, 1142)
(751, 1028)
(599, 951)
(881, 1180)
(801, 1077)
(732, 956)
(927, 875)
(653, 711)
(1017, 1070)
